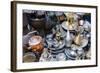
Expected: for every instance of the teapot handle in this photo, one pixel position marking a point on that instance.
(33, 32)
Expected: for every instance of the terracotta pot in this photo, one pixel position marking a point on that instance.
(36, 44)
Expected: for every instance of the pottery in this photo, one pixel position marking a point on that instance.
(72, 21)
(81, 22)
(68, 39)
(87, 26)
(40, 13)
(29, 57)
(38, 23)
(36, 43)
(78, 40)
(61, 57)
(68, 26)
(28, 36)
(70, 54)
(50, 13)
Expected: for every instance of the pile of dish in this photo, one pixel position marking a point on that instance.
(69, 39)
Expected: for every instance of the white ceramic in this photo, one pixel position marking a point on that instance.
(27, 37)
(29, 57)
(58, 13)
(81, 22)
(66, 25)
(84, 42)
(35, 40)
(28, 11)
(79, 49)
(52, 58)
(70, 54)
(50, 13)
(87, 26)
(68, 39)
(80, 13)
(40, 12)
(61, 57)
